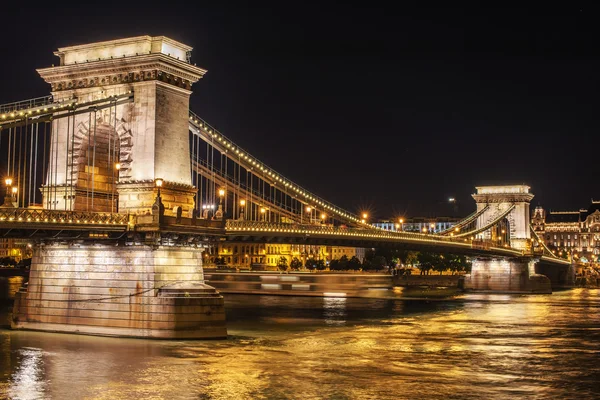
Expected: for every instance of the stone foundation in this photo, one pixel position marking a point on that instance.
(132, 291)
(506, 276)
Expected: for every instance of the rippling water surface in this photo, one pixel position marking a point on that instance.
(473, 347)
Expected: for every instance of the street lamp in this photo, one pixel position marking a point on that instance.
(8, 200)
(159, 183)
(263, 211)
(323, 216)
(242, 208)
(219, 212)
(15, 199)
(401, 220)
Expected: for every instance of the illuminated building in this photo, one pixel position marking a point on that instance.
(246, 255)
(576, 233)
(418, 224)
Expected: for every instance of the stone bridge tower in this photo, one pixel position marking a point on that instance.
(147, 138)
(499, 200)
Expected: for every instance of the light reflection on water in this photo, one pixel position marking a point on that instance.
(476, 347)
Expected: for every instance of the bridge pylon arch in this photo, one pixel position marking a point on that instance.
(512, 200)
(152, 127)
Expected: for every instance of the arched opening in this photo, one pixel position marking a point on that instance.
(97, 170)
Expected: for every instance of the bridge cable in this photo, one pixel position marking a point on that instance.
(30, 166)
(72, 187)
(35, 168)
(55, 169)
(67, 159)
(19, 186)
(44, 170)
(87, 160)
(94, 157)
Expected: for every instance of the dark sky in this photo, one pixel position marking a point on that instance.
(389, 109)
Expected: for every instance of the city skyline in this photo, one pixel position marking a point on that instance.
(374, 110)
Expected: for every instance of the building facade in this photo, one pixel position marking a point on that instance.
(418, 224)
(248, 255)
(573, 234)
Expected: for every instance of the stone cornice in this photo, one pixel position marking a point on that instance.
(125, 65)
(503, 198)
(149, 184)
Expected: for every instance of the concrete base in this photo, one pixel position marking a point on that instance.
(132, 291)
(506, 276)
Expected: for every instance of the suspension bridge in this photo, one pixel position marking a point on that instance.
(120, 187)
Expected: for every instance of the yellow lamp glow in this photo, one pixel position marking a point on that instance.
(242, 202)
(221, 192)
(159, 182)
(8, 181)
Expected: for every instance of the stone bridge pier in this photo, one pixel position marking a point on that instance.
(150, 287)
(509, 205)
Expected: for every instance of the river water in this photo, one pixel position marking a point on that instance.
(474, 346)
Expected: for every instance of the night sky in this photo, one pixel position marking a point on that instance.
(387, 109)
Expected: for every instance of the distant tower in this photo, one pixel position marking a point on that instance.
(539, 219)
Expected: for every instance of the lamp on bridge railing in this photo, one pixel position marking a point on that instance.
(8, 197)
(219, 212)
(15, 201)
(262, 213)
(323, 216)
(309, 212)
(432, 226)
(401, 220)
(158, 208)
(242, 208)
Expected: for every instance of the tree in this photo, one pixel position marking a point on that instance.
(412, 257)
(426, 262)
(343, 262)
(8, 261)
(295, 264)
(441, 263)
(354, 264)
(320, 265)
(334, 265)
(282, 263)
(220, 261)
(310, 264)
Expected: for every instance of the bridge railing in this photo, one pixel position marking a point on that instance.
(61, 216)
(237, 225)
(261, 226)
(25, 104)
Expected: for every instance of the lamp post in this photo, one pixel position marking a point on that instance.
(309, 211)
(8, 199)
(323, 216)
(242, 208)
(401, 220)
(158, 209)
(15, 199)
(262, 212)
(219, 212)
(364, 218)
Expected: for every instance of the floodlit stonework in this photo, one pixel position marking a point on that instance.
(146, 135)
(110, 160)
(134, 291)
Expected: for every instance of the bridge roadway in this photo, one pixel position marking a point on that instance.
(38, 224)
